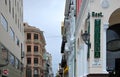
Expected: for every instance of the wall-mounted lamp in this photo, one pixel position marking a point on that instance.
(86, 38)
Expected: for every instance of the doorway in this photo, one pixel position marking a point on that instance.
(113, 44)
(117, 67)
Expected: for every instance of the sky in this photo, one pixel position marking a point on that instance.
(47, 15)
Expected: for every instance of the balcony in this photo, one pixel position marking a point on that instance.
(36, 53)
(28, 41)
(37, 41)
(28, 65)
(28, 53)
(38, 66)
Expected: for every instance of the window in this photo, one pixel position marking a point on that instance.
(29, 48)
(35, 48)
(17, 41)
(12, 34)
(13, 12)
(11, 59)
(35, 71)
(6, 2)
(16, 63)
(22, 52)
(28, 60)
(10, 6)
(4, 22)
(36, 36)
(17, 6)
(21, 67)
(18, 23)
(35, 60)
(16, 18)
(15, 2)
(20, 27)
(28, 72)
(28, 36)
(78, 43)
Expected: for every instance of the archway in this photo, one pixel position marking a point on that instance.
(113, 44)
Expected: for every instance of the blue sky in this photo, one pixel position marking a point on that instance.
(47, 15)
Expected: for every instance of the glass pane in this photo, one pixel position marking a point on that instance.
(11, 59)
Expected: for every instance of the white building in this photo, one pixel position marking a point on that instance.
(95, 57)
(11, 36)
(100, 18)
(69, 37)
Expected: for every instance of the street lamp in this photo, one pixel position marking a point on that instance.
(86, 38)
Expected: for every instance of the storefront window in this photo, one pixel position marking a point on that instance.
(11, 59)
(17, 63)
(12, 34)
(4, 22)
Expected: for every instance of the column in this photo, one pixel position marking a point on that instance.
(85, 50)
(105, 26)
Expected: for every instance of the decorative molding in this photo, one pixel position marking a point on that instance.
(104, 3)
(106, 25)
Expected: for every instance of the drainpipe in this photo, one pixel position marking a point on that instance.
(75, 58)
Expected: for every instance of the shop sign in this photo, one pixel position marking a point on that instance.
(95, 14)
(96, 63)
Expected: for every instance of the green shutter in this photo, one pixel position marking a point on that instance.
(97, 23)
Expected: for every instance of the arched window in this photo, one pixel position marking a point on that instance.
(28, 73)
(35, 71)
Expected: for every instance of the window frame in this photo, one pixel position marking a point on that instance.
(36, 61)
(36, 37)
(4, 22)
(28, 36)
(12, 33)
(29, 49)
(36, 48)
(29, 60)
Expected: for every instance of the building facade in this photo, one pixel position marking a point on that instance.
(11, 37)
(48, 72)
(96, 49)
(35, 49)
(68, 40)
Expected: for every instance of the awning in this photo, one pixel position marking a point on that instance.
(113, 45)
(66, 69)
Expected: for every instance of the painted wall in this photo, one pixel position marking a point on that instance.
(96, 65)
(78, 4)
